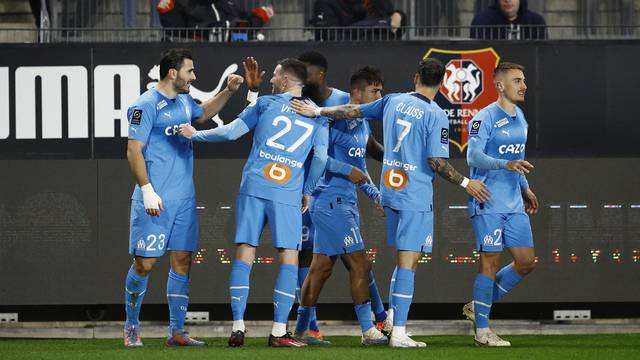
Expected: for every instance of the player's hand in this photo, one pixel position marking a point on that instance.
(186, 130)
(478, 190)
(522, 167)
(252, 73)
(357, 176)
(234, 81)
(304, 108)
(530, 201)
(378, 205)
(152, 201)
(306, 201)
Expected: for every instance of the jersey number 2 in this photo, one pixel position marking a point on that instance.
(287, 127)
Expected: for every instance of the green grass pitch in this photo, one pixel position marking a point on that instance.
(583, 347)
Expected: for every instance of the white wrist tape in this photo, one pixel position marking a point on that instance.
(252, 96)
(148, 188)
(317, 111)
(465, 182)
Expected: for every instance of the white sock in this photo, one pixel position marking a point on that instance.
(398, 332)
(390, 315)
(238, 325)
(482, 331)
(278, 329)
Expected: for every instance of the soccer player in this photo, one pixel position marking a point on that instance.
(271, 190)
(416, 145)
(317, 89)
(163, 208)
(335, 213)
(497, 138)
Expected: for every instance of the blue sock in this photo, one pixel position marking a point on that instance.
(304, 317)
(392, 285)
(376, 301)
(178, 299)
(506, 279)
(402, 295)
(482, 300)
(302, 274)
(363, 312)
(239, 288)
(134, 288)
(284, 292)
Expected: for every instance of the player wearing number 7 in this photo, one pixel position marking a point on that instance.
(271, 190)
(497, 137)
(416, 144)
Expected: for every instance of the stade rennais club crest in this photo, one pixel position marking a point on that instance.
(467, 88)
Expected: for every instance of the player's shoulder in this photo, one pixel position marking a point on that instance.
(343, 95)
(148, 99)
(488, 113)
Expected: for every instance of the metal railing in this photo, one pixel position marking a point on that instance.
(328, 34)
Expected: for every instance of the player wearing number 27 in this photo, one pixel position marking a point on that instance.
(497, 138)
(271, 190)
(416, 144)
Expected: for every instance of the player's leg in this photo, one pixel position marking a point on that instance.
(285, 223)
(391, 217)
(488, 230)
(250, 219)
(143, 245)
(181, 243)
(518, 239)
(304, 262)
(359, 270)
(319, 272)
(413, 236)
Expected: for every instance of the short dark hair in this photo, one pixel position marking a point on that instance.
(314, 58)
(173, 59)
(294, 67)
(431, 72)
(503, 67)
(365, 76)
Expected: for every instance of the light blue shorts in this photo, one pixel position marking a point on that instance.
(175, 229)
(285, 222)
(307, 231)
(337, 228)
(495, 231)
(409, 230)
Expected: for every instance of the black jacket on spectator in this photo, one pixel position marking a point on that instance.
(357, 13)
(527, 26)
(195, 14)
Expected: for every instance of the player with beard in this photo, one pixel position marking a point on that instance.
(163, 208)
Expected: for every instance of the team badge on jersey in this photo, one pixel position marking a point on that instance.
(467, 88)
(276, 172)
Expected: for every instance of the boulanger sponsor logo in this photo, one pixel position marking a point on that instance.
(395, 179)
(467, 88)
(277, 172)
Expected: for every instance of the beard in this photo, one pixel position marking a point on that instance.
(311, 91)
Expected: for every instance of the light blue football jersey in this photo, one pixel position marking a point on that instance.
(414, 129)
(337, 97)
(154, 120)
(348, 144)
(281, 143)
(500, 136)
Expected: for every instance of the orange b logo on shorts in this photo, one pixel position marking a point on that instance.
(395, 179)
(277, 173)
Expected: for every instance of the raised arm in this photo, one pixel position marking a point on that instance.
(228, 132)
(309, 109)
(213, 106)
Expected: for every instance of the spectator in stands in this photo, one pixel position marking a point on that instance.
(129, 12)
(220, 14)
(508, 20)
(385, 21)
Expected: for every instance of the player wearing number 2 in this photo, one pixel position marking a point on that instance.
(497, 137)
(271, 190)
(416, 144)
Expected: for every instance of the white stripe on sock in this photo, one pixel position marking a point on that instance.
(501, 288)
(284, 293)
(238, 287)
(403, 296)
(178, 295)
(481, 303)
